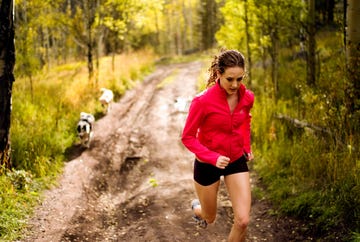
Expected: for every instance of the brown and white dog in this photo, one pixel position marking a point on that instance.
(85, 128)
(106, 99)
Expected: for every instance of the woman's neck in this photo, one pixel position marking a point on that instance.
(232, 101)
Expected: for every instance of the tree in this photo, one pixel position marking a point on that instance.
(275, 28)
(237, 32)
(90, 9)
(248, 49)
(209, 22)
(311, 44)
(325, 11)
(353, 40)
(7, 62)
(353, 57)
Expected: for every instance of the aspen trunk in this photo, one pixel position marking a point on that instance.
(247, 24)
(7, 61)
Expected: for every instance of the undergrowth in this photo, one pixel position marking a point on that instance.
(44, 117)
(313, 172)
(313, 176)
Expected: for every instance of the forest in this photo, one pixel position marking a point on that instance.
(303, 60)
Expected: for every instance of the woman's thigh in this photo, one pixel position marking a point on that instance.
(208, 198)
(238, 186)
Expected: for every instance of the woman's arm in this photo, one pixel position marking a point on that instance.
(190, 131)
(246, 127)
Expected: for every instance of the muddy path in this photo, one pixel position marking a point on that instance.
(135, 181)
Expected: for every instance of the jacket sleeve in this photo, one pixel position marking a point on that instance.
(190, 131)
(246, 127)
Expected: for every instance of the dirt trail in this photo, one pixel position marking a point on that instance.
(135, 182)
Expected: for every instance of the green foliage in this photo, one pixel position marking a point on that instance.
(356, 237)
(307, 173)
(232, 33)
(304, 178)
(37, 20)
(44, 126)
(40, 131)
(20, 179)
(311, 174)
(18, 195)
(266, 22)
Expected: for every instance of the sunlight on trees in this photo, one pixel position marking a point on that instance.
(300, 68)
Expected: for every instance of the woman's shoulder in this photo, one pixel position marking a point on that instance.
(198, 98)
(203, 94)
(249, 96)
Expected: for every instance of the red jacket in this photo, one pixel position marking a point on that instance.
(212, 130)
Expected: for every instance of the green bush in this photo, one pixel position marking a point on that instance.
(309, 174)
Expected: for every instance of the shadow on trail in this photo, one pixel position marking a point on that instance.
(74, 151)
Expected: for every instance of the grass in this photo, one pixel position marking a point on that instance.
(19, 193)
(43, 127)
(308, 175)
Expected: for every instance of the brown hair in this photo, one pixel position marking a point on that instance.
(227, 58)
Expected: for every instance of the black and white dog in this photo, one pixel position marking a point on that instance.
(85, 128)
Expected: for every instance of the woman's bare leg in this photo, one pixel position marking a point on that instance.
(208, 199)
(238, 186)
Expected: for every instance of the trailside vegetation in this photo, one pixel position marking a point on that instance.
(43, 128)
(305, 128)
(302, 65)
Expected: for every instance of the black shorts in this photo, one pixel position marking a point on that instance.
(206, 174)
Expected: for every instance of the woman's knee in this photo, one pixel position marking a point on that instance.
(241, 221)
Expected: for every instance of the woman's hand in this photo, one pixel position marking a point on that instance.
(249, 156)
(222, 162)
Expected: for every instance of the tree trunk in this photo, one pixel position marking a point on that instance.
(344, 19)
(353, 54)
(330, 11)
(7, 61)
(90, 55)
(274, 62)
(311, 45)
(274, 51)
(248, 42)
(90, 15)
(209, 23)
(99, 45)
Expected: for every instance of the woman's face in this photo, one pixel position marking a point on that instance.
(231, 79)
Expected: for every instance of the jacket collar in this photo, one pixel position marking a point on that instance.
(221, 90)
